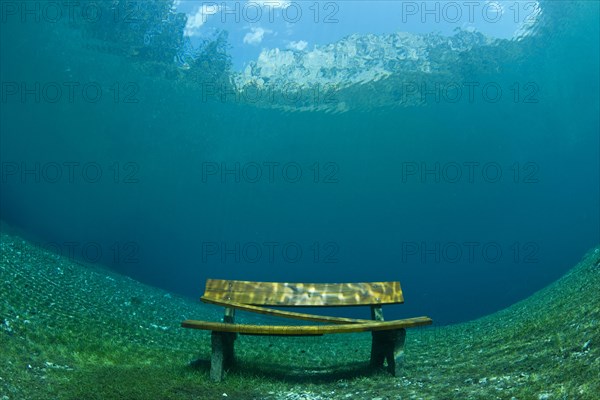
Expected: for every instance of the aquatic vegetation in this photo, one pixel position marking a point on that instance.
(90, 344)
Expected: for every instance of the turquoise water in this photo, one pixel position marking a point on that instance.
(173, 175)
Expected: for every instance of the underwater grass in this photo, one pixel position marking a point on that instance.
(70, 331)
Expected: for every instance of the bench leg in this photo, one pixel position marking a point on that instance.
(388, 346)
(395, 357)
(222, 354)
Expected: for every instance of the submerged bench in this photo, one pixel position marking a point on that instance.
(387, 336)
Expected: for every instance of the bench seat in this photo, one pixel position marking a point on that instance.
(306, 330)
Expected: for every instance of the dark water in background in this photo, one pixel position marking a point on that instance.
(155, 217)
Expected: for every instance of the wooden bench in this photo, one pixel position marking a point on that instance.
(387, 336)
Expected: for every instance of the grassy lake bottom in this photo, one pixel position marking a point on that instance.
(73, 331)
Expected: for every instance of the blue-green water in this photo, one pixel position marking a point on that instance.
(472, 204)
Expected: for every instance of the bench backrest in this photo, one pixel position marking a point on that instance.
(304, 294)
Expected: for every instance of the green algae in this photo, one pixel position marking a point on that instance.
(71, 331)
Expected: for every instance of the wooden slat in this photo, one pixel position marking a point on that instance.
(304, 294)
(306, 330)
(284, 314)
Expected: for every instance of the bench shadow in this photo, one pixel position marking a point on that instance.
(291, 374)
